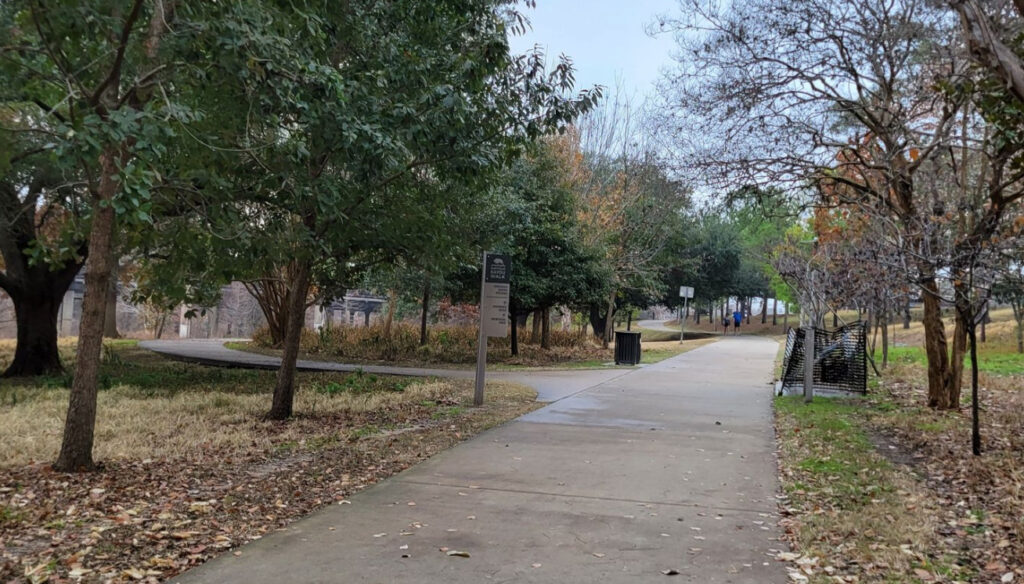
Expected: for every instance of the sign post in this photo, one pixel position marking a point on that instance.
(686, 293)
(494, 294)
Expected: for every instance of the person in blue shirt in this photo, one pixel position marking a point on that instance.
(737, 319)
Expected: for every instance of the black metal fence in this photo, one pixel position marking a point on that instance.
(840, 359)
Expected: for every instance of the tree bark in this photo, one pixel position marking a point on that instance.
(984, 321)
(284, 391)
(1018, 316)
(512, 314)
(392, 306)
(596, 320)
(809, 363)
(161, 322)
(424, 312)
(775, 311)
(609, 322)
(883, 322)
(906, 315)
(535, 334)
(80, 423)
(764, 309)
(110, 318)
(36, 350)
(975, 414)
(956, 363)
(545, 329)
(939, 377)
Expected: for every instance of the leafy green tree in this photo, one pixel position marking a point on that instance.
(370, 133)
(111, 82)
(551, 263)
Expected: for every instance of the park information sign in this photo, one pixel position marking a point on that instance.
(686, 293)
(494, 295)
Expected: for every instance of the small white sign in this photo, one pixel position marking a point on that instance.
(686, 291)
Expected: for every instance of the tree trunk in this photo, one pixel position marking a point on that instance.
(535, 334)
(906, 315)
(160, 323)
(984, 321)
(775, 311)
(284, 391)
(975, 414)
(809, 363)
(36, 350)
(545, 329)
(883, 321)
(596, 320)
(512, 314)
(629, 320)
(747, 308)
(835, 319)
(785, 316)
(609, 321)
(939, 374)
(392, 306)
(956, 363)
(80, 423)
(110, 317)
(1018, 315)
(764, 309)
(424, 312)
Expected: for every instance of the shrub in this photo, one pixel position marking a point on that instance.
(446, 344)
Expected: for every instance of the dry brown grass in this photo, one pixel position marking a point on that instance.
(447, 345)
(156, 408)
(130, 426)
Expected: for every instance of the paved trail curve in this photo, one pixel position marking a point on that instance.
(666, 467)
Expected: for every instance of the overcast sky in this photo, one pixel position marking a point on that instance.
(605, 39)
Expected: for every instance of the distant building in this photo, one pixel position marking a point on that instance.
(237, 315)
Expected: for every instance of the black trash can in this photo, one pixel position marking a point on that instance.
(627, 348)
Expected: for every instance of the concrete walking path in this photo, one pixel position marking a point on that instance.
(666, 467)
(657, 325)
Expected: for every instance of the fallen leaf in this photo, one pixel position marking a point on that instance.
(457, 553)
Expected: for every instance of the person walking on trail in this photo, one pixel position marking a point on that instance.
(725, 324)
(737, 318)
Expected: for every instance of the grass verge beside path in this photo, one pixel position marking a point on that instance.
(192, 471)
(885, 489)
(849, 512)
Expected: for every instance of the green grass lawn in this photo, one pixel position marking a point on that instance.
(998, 359)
